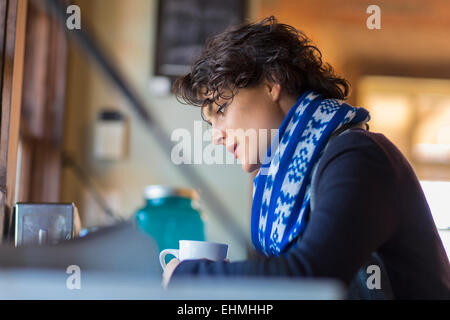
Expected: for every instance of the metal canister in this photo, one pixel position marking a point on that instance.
(169, 215)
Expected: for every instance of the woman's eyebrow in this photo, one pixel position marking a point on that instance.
(223, 103)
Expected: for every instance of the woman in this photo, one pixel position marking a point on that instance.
(367, 199)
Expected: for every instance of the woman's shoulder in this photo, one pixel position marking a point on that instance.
(360, 139)
(361, 145)
(356, 153)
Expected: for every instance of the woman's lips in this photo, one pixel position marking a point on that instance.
(233, 149)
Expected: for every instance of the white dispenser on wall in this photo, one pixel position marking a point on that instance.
(110, 135)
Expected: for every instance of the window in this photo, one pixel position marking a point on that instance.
(414, 114)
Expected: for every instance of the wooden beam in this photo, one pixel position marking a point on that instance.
(42, 108)
(13, 12)
(394, 13)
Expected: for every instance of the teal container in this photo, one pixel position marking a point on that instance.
(170, 215)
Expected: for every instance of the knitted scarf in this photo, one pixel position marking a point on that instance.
(281, 190)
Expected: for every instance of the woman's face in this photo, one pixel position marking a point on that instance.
(245, 125)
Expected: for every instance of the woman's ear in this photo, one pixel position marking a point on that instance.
(274, 91)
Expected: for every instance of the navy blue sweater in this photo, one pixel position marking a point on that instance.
(368, 199)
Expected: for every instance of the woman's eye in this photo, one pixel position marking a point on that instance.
(221, 109)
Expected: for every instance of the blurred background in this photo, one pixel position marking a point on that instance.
(400, 73)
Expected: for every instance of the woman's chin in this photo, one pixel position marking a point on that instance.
(248, 167)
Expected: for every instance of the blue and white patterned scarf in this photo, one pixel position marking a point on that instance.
(281, 191)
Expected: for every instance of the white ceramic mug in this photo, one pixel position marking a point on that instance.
(191, 250)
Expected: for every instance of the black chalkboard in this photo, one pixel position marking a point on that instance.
(183, 27)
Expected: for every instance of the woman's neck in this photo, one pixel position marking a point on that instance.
(286, 102)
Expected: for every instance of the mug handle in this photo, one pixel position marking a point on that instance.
(162, 256)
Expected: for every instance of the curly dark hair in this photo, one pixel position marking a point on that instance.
(244, 55)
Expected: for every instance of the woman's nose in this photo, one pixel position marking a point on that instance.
(218, 136)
